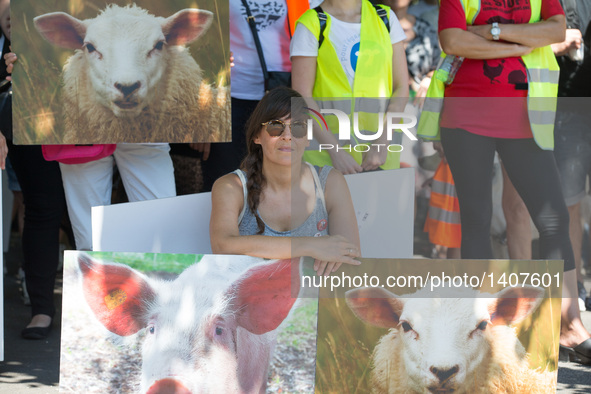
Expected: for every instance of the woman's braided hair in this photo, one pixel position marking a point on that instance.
(276, 104)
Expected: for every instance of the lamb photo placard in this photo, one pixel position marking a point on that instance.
(440, 326)
(171, 323)
(95, 72)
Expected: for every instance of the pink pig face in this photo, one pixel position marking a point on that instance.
(210, 330)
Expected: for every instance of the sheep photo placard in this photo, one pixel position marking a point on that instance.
(94, 72)
(440, 326)
(171, 323)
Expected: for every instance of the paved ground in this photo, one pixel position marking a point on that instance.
(32, 367)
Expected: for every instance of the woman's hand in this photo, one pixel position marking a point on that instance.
(10, 58)
(344, 162)
(3, 151)
(375, 157)
(332, 251)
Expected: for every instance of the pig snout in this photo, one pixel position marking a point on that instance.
(168, 386)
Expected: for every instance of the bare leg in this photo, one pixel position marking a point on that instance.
(518, 222)
(572, 331)
(575, 231)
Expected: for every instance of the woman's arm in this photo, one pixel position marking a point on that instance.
(341, 218)
(227, 201)
(533, 35)
(458, 42)
(374, 158)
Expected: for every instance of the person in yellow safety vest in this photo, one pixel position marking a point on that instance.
(351, 49)
(499, 82)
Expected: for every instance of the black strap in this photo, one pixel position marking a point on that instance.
(322, 18)
(382, 13)
(257, 42)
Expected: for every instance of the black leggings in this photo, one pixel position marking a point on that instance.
(45, 204)
(534, 174)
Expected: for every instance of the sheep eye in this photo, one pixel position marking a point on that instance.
(159, 45)
(90, 48)
(406, 327)
(482, 325)
(151, 329)
(218, 331)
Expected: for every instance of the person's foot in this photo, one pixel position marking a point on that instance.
(572, 338)
(38, 328)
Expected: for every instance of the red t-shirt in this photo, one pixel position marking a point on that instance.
(500, 84)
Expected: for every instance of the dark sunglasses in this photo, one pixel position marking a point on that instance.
(276, 127)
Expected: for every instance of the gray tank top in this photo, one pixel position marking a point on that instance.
(316, 225)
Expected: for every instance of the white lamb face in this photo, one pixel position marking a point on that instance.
(126, 51)
(125, 73)
(445, 344)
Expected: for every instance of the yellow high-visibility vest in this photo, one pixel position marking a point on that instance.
(373, 77)
(542, 75)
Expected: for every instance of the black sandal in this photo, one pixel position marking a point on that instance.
(578, 354)
(36, 332)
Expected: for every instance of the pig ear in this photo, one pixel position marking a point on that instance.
(61, 29)
(262, 296)
(375, 306)
(117, 295)
(186, 26)
(513, 304)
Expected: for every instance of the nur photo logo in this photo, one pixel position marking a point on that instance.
(363, 141)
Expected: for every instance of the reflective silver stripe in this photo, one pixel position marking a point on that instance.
(342, 105)
(444, 216)
(541, 117)
(371, 105)
(443, 188)
(433, 104)
(543, 75)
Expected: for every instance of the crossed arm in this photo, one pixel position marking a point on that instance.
(517, 39)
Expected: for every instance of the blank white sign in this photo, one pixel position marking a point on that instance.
(383, 200)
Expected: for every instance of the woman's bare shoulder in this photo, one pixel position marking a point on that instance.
(228, 184)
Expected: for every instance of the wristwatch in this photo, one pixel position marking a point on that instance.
(495, 31)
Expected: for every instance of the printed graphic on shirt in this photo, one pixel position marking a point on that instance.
(505, 6)
(265, 13)
(349, 53)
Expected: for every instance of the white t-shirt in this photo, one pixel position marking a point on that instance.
(345, 37)
(271, 19)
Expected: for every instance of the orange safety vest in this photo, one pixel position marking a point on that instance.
(295, 9)
(443, 218)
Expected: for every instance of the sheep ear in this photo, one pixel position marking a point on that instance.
(186, 26)
(514, 304)
(61, 29)
(375, 306)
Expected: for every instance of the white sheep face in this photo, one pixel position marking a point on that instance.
(444, 340)
(126, 51)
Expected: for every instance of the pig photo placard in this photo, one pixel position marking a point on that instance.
(121, 71)
(145, 322)
(479, 326)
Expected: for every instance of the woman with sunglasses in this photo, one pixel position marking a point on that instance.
(277, 206)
